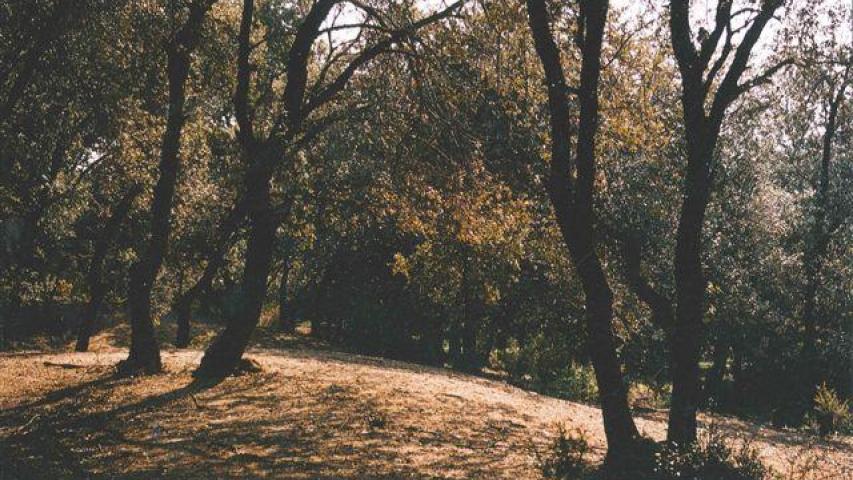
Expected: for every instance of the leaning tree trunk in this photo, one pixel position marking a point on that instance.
(224, 354)
(144, 350)
(97, 287)
(215, 260)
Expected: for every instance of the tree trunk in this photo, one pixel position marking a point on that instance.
(688, 331)
(183, 318)
(701, 131)
(144, 350)
(574, 206)
(285, 321)
(97, 288)
(814, 257)
(714, 381)
(215, 260)
(224, 354)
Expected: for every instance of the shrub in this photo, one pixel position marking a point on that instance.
(566, 457)
(574, 382)
(713, 457)
(831, 412)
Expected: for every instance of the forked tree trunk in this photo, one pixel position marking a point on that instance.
(701, 130)
(574, 206)
(94, 278)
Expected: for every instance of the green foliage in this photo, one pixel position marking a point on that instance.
(541, 364)
(831, 412)
(567, 456)
(713, 457)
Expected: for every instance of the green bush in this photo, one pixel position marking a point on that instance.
(574, 382)
(713, 457)
(566, 458)
(831, 412)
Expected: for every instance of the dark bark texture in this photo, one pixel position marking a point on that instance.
(144, 353)
(571, 193)
(702, 129)
(262, 157)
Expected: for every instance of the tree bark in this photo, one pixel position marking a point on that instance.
(574, 208)
(714, 381)
(285, 320)
(814, 257)
(224, 354)
(94, 278)
(701, 130)
(144, 353)
(660, 305)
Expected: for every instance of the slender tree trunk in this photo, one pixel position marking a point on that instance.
(285, 319)
(814, 257)
(574, 207)
(468, 328)
(144, 350)
(97, 288)
(183, 317)
(215, 260)
(714, 381)
(224, 354)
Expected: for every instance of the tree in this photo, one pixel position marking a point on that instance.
(702, 127)
(571, 189)
(261, 152)
(144, 355)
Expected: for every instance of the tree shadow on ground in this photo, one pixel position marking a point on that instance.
(258, 425)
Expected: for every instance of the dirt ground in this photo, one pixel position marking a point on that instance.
(309, 414)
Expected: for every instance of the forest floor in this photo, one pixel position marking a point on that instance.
(310, 413)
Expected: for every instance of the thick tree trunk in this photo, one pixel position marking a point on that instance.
(224, 354)
(619, 425)
(688, 331)
(97, 287)
(701, 130)
(144, 350)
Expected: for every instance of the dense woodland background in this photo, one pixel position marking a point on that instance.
(403, 179)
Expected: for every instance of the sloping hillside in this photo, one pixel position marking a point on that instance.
(307, 414)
